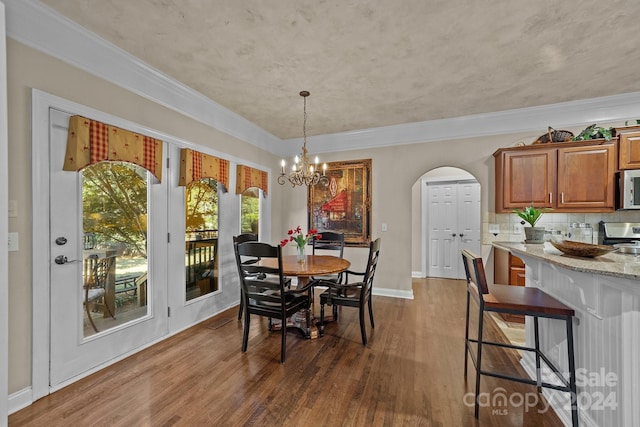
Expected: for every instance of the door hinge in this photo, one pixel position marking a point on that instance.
(168, 311)
(168, 237)
(167, 163)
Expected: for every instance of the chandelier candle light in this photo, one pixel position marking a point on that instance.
(303, 172)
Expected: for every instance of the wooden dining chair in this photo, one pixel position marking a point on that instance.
(241, 238)
(526, 301)
(95, 285)
(357, 294)
(329, 243)
(264, 290)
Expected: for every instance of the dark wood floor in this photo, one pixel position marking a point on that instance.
(410, 373)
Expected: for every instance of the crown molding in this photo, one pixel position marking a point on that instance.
(37, 26)
(523, 120)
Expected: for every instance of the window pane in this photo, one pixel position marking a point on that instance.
(250, 211)
(201, 246)
(114, 206)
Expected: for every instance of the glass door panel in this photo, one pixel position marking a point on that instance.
(114, 255)
(201, 242)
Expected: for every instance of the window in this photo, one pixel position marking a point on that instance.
(114, 206)
(201, 231)
(250, 211)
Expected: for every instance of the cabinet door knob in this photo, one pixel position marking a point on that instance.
(454, 235)
(550, 198)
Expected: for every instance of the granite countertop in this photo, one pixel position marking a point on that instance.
(612, 264)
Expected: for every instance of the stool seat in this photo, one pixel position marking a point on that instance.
(527, 301)
(524, 300)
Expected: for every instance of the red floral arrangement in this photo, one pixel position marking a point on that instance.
(296, 235)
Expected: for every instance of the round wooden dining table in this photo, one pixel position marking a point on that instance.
(314, 265)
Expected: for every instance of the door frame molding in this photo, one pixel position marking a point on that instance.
(4, 226)
(41, 103)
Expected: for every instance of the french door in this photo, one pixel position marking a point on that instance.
(129, 310)
(453, 222)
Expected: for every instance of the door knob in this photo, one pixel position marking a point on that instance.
(61, 259)
(461, 235)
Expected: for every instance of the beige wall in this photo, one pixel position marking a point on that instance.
(395, 171)
(27, 69)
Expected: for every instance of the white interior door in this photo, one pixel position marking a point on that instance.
(75, 347)
(453, 222)
(443, 242)
(469, 224)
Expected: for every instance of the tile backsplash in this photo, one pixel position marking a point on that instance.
(509, 224)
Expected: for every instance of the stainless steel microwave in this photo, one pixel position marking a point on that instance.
(629, 189)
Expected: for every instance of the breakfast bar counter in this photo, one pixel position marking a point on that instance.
(605, 293)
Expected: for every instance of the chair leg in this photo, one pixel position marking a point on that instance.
(466, 337)
(245, 333)
(240, 309)
(371, 313)
(93, 325)
(572, 373)
(321, 318)
(363, 332)
(536, 338)
(283, 345)
(479, 360)
(109, 309)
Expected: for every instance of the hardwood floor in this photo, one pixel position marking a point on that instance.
(410, 373)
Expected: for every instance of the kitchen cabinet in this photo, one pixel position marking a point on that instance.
(508, 269)
(629, 150)
(567, 177)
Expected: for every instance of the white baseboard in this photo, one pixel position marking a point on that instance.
(20, 400)
(394, 293)
(417, 275)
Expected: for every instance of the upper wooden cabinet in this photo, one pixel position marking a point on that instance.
(567, 177)
(629, 150)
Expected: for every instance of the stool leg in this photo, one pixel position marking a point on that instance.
(479, 359)
(572, 373)
(466, 337)
(536, 337)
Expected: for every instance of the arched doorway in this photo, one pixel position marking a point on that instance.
(446, 219)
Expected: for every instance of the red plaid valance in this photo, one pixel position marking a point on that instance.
(195, 165)
(248, 177)
(90, 142)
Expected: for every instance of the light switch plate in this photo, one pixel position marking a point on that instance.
(384, 226)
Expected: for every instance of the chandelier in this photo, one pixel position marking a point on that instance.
(303, 172)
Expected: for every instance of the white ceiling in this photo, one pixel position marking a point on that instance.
(369, 64)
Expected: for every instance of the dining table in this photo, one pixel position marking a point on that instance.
(313, 266)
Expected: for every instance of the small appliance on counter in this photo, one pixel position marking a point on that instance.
(623, 235)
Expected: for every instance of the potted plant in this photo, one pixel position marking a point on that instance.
(531, 215)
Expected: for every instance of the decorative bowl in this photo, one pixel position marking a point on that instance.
(587, 250)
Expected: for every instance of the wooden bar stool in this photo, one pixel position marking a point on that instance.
(525, 301)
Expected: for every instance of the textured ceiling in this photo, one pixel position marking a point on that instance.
(370, 64)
